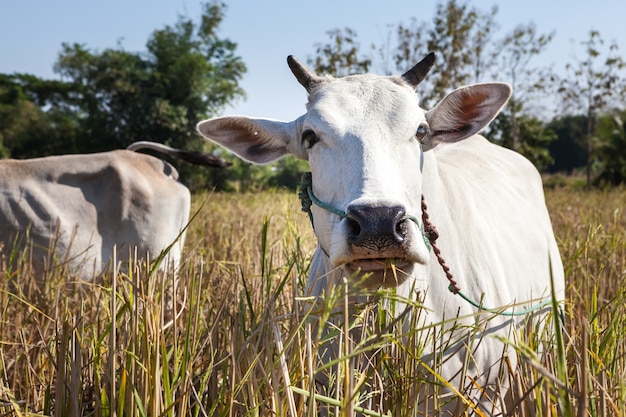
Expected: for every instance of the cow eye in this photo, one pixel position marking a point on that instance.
(309, 138)
(422, 131)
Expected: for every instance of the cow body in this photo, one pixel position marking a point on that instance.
(84, 206)
(373, 154)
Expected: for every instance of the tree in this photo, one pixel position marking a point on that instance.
(516, 51)
(110, 95)
(34, 119)
(341, 56)
(459, 36)
(533, 135)
(535, 139)
(593, 85)
(410, 44)
(288, 172)
(568, 150)
(198, 74)
(610, 149)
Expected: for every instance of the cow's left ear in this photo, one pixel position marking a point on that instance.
(260, 141)
(464, 112)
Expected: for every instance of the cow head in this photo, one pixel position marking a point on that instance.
(364, 137)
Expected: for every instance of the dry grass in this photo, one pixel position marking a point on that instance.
(111, 349)
(591, 228)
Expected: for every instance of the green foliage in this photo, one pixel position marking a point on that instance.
(243, 176)
(516, 51)
(610, 150)
(534, 138)
(593, 85)
(288, 172)
(26, 129)
(568, 150)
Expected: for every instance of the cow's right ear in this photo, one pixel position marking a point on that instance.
(260, 141)
(465, 112)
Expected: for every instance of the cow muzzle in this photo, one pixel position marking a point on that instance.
(378, 238)
(379, 241)
(378, 229)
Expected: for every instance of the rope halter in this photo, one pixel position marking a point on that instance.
(307, 199)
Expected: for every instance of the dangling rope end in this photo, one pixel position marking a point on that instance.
(453, 289)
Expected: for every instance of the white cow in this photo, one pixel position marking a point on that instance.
(83, 206)
(373, 154)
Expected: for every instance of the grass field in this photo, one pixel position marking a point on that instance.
(238, 343)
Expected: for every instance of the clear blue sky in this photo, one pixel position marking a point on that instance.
(31, 33)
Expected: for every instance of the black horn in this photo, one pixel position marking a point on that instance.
(415, 75)
(304, 76)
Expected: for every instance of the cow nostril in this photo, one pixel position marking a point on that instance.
(401, 228)
(354, 228)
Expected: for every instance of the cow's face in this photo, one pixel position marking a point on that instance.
(360, 136)
(364, 137)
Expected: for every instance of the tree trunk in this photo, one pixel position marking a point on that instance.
(589, 146)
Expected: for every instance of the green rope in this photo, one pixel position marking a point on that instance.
(307, 199)
(500, 312)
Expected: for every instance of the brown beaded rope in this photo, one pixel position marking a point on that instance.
(431, 231)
